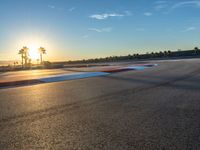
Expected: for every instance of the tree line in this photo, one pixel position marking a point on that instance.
(152, 55)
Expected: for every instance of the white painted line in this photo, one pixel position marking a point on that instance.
(141, 67)
(64, 77)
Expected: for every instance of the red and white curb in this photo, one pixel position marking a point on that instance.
(74, 76)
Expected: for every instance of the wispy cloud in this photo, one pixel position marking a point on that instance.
(71, 9)
(128, 13)
(189, 29)
(171, 7)
(186, 3)
(160, 2)
(105, 16)
(52, 6)
(148, 14)
(85, 36)
(160, 5)
(109, 29)
(61, 8)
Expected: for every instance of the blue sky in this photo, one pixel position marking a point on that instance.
(76, 29)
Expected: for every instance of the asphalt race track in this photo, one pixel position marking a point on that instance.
(148, 109)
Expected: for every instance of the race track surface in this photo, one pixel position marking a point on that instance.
(154, 108)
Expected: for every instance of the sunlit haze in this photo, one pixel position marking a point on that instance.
(33, 52)
(77, 29)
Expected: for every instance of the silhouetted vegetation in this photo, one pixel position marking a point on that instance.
(42, 51)
(26, 61)
(153, 55)
(25, 58)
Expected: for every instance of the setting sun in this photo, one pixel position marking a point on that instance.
(34, 52)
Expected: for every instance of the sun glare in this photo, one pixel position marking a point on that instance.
(33, 52)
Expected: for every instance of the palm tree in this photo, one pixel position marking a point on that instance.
(196, 49)
(21, 52)
(14, 63)
(38, 61)
(42, 51)
(24, 55)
